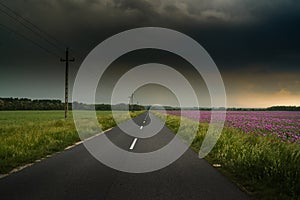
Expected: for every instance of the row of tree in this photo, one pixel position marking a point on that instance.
(121, 106)
(273, 108)
(28, 104)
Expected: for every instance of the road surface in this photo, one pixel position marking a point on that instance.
(75, 174)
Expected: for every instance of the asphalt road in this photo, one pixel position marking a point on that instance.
(75, 174)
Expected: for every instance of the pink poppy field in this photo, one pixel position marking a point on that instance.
(283, 124)
(258, 149)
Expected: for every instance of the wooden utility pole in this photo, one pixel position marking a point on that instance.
(67, 60)
(131, 102)
(132, 106)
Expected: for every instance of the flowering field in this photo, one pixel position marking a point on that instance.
(259, 150)
(283, 124)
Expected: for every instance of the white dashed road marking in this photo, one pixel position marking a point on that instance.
(133, 144)
(135, 139)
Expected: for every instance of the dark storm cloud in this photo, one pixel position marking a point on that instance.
(244, 37)
(236, 33)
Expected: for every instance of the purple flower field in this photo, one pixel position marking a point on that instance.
(284, 124)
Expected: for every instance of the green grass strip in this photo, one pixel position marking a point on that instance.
(27, 136)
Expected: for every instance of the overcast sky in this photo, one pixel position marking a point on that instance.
(254, 43)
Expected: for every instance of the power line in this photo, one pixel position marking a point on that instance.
(35, 26)
(27, 26)
(30, 40)
(58, 44)
(43, 35)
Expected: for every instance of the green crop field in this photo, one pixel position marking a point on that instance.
(26, 136)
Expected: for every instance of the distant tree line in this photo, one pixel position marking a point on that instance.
(28, 104)
(273, 108)
(46, 104)
(121, 106)
(284, 108)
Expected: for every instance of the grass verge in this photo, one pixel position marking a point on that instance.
(27, 136)
(264, 168)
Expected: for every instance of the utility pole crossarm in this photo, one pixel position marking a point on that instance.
(67, 60)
